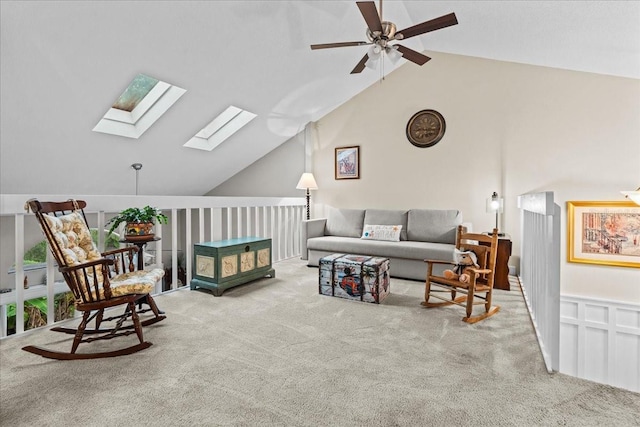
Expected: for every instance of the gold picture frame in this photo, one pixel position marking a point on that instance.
(603, 233)
(347, 162)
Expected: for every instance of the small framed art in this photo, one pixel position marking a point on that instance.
(605, 233)
(347, 162)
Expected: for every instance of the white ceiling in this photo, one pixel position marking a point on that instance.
(251, 54)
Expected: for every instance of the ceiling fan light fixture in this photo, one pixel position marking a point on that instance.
(393, 54)
(372, 63)
(374, 51)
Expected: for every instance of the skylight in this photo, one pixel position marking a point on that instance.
(222, 127)
(137, 90)
(143, 102)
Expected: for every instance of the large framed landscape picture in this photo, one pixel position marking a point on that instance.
(605, 233)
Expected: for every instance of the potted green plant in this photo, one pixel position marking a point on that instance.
(139, 221)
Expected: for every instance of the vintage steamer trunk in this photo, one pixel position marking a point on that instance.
(224, 264)
(356, 277)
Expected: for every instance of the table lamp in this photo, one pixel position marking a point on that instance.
(495, 205)
(307, 182)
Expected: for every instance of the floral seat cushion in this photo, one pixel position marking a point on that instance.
(73, 238)
(136, 282)
(76, 247)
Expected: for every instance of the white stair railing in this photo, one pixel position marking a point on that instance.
(540, 270)
(192, 220)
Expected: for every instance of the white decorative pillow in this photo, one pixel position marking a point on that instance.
(390, 233)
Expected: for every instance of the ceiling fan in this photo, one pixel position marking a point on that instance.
(380, 33)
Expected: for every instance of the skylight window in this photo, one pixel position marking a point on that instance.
(143, 102)
(222, 127)
(137, 90)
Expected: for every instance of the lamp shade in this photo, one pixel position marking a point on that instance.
(372, 63)
(374, 51)
(393, 54)
(307, 182)
(495, 204)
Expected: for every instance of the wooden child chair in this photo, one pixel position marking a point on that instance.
(478, 289)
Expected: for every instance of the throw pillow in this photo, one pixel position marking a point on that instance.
(389, 233)
(388, 217)
(344, 222)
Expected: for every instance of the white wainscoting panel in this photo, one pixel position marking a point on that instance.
(600, 341)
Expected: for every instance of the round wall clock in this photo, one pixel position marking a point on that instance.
(425, 128)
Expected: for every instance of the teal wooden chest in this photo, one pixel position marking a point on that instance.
(224, 264)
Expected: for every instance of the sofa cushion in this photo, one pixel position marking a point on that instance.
(433, 225)
(345, 222)
(390, 233)
(388, 217)
(406, 250)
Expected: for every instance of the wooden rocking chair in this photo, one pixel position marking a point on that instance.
(92, 278)
(480, 284)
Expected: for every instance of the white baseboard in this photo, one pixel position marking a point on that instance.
(600, 341)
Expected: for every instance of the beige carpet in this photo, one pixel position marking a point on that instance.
(275, 353)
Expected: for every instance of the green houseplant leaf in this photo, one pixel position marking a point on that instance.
(112, 240)
(147, 214)
(63, 305)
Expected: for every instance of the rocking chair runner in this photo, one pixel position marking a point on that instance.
(92, 278)
(480, 284)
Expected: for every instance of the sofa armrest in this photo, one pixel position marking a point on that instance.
(310, 228)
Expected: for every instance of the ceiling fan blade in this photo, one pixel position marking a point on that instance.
(432, 25)
(370, 15)
(341, 44)
(412, 55)
(358, 68)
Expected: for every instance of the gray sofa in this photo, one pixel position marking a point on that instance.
(425, 234)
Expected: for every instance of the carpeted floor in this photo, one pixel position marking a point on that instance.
(275, 353)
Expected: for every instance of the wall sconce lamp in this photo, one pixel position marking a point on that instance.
(495, 205)
(307, 182)
(634, 196)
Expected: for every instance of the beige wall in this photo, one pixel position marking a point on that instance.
(274, 175)
(511, 128)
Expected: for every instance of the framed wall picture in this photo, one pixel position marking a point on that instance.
(347, 162)
(605, 233)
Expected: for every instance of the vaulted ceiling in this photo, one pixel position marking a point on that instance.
(64, 63)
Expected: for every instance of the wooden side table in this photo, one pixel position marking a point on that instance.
(140, 242)
(501, 277)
